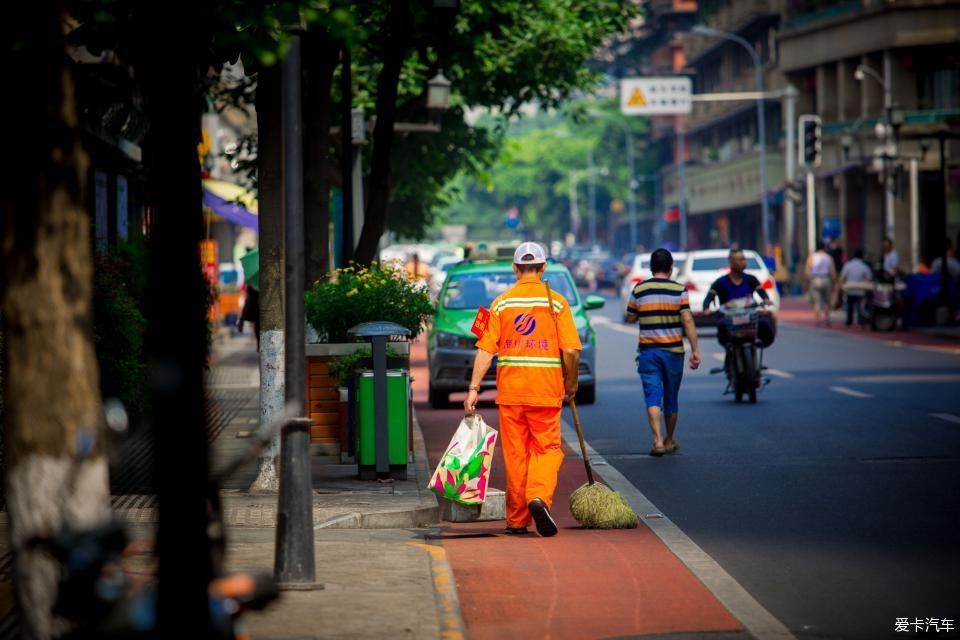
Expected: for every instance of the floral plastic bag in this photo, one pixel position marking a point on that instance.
(464, 471)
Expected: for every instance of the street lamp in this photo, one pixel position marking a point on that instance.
(438, 92)
(761, 122)
(883, 130)
(576, 176)
(631, 161)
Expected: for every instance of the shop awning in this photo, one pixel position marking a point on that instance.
(231, 202)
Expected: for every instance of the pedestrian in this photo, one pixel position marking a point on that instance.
(953, 265)
(857, 276)
(251, 312)
(891, 261)
(819, 275)
(662, 307)
(836, 254)
(530, 387)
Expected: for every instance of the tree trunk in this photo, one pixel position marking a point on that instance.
(269, 166)
(320, 55)
(57, 474)
(375, 217)
(177, 330)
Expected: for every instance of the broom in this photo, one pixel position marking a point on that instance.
(593, 505)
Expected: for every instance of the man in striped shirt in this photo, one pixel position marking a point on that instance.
(662, 307)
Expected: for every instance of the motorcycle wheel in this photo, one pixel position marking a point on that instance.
(884, 322)
(748, 373)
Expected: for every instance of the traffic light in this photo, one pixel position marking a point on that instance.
(810, 141)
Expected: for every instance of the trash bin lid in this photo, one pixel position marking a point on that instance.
(378, 328)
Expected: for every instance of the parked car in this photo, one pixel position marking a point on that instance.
(640, 271)
(702, 268)
(470, 285)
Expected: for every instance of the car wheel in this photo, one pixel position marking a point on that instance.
(586, 395)
(438, 399)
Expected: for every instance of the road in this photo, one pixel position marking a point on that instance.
(833, 501)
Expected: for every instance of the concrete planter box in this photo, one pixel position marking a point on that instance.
(329, 435)
(493, 508)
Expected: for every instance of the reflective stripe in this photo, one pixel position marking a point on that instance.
(526, 302)
(528, 361)
(537, 365)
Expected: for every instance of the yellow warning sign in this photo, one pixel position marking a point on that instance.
(636, 99)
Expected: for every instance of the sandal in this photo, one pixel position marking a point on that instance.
(657, 452)
(673, 447)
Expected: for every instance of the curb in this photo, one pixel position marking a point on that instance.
(422, 465)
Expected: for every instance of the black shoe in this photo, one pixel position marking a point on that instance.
(546, 527)
(515, 531)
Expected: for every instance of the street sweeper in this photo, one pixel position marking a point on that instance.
(537, 363)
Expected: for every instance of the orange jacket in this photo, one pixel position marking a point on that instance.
(522, 336)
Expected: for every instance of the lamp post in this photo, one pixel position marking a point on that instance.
(883, 133)
(632, 166)
(576, 176)
(761, 122)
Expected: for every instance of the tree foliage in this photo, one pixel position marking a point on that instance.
(533, 171)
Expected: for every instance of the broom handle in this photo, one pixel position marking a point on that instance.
(573, 405)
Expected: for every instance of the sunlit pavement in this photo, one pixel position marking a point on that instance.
(579, 584)
(832, 501)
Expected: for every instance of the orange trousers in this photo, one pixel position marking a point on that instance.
(532, 452)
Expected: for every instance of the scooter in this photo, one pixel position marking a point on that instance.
(882, 304)
(99, 600)
(743, 363)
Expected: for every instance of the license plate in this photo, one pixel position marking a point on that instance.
(739, 320)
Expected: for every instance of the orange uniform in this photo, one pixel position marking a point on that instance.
(530, 389)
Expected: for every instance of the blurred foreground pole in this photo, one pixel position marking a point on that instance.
(294, 563)
(177, 327)
(56, 473)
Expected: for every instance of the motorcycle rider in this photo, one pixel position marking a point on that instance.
(735, 285)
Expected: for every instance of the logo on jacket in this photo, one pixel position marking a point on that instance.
(524, 324)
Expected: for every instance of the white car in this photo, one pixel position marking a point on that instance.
(702, 268)
(438, 273)
(640, 271)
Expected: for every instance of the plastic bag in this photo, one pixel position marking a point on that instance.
(464, 470)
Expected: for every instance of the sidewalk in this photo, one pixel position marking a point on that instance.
(580, 584)
(797, 311)
(382, 571)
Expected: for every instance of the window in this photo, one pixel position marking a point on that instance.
(722, 262)
(473, 290)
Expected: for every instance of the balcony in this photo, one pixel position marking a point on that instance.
(726, 185)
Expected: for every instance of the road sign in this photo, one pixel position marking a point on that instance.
(655, 96)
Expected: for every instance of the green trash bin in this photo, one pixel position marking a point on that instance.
(398, 390)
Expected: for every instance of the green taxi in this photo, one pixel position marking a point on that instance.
(472, 284)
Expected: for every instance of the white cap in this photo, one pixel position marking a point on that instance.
(529, 253)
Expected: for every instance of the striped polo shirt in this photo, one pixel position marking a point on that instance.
(657, 302)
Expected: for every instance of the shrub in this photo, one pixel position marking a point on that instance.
(119, 325)
(353, 295)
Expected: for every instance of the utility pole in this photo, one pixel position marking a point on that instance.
(347, 233)
(592, 198)
(790, 170)
(269, 165)
(294, 562)
(682, 177)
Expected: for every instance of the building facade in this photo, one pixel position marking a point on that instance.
(721, 150)
(885, 79)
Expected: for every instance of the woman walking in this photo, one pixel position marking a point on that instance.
(819, 274)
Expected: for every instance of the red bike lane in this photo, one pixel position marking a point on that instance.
(579, 584)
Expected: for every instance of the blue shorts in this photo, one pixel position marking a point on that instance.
(661, 372)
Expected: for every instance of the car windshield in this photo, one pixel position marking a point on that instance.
(473, 290)
(722, 262)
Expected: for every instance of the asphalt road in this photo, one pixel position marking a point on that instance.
(835, 501)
